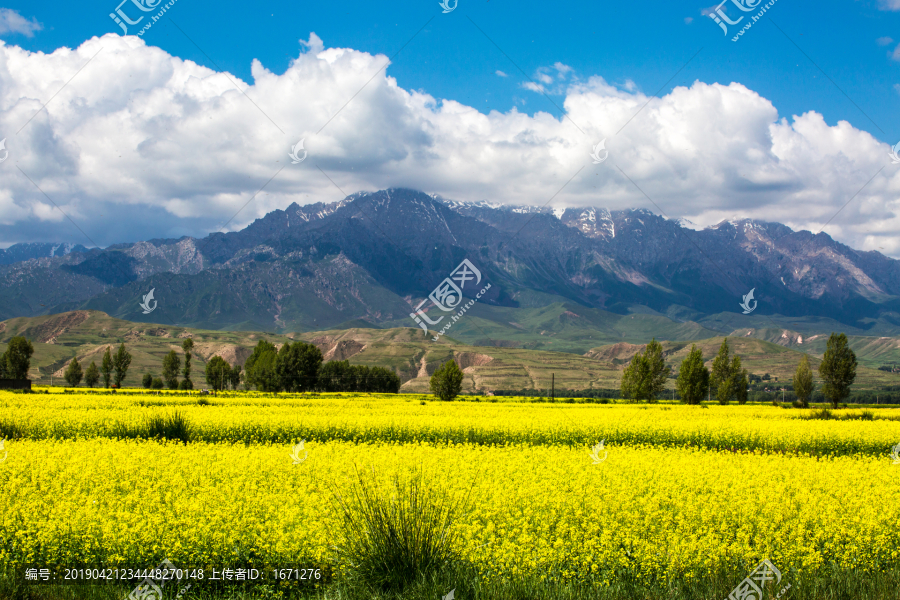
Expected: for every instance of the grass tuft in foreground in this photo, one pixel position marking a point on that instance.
(399, 535)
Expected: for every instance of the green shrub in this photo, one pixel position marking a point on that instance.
(172, 427)
(397, 536)
(10, 430)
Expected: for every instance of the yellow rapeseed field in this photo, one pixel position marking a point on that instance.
(540, 503)
(253, 417)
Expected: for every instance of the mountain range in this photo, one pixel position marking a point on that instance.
(568, 279)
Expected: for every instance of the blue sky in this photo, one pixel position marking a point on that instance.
(787, 124)
(619, 41)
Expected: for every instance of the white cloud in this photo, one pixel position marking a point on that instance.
(890, 4)
(688, 20)
(142, 144)
(544, 77)
(12, 22)
(897, 87)
(501, 73)
(884, 41)
(896, 54)
(562, 70)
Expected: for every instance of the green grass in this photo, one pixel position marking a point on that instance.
(397, 536)
(171, 427)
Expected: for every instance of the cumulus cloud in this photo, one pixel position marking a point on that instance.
(884, 41)
(12, 22)
(142, 144)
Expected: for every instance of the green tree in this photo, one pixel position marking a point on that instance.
(147, 381)
(720, 380)
(264, 374)
(106, 367)
(170, 367)
(334, 376)
(362, 379)
(4, 370)
(728, 380)
(218, 373)
(235, 377)
(121, 362)
(157, 383)
(740, 379)
(803, 382)
(446, 383)
(645, 376)
(92, 375)
(297, 366)
(74, 373)
(259, 368)
(658, 371)
(693, 377)
(18, 357)
(635, 377)
(187, 345)
(838, 369)
(384, 381)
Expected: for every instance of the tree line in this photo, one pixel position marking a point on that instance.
(299, 367)
(296, 367)
(171, 368)
(645, 376)
(113, 369)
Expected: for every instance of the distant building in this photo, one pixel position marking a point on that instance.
(15, 384)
